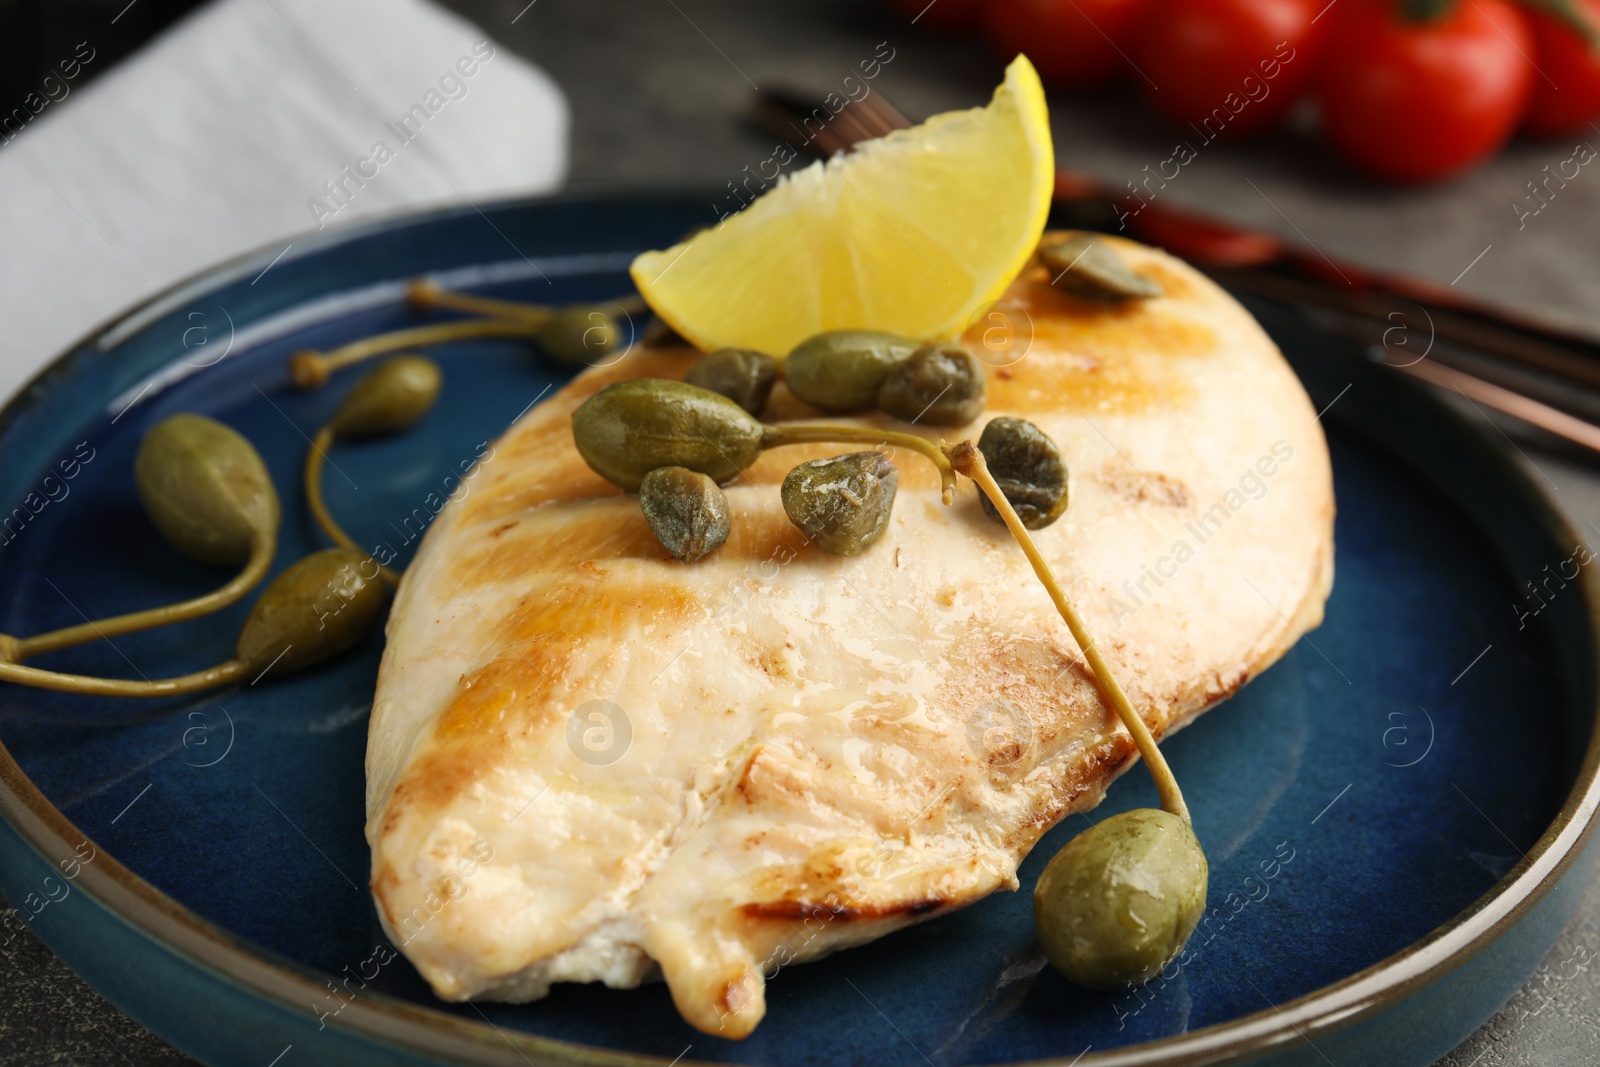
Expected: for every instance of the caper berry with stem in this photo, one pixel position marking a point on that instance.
(309, 369)
(388, 398)
(686, 510)
(628, 429)
(579, 335)
(1029, 469)
(205, 488)
(842, 370)
(1141, 883)
(842, 504)
(1117, 904)
(1086, 266)
(942, 384)
(744, 376)
(320, 606)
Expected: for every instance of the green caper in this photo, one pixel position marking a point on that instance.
(1117, 904)
(628, 429)
(687, 511)
(579, 335)
(320, 606)
(1029, 468)
(205, 488)
(842, 504)
(842, 370)
(388, 399)
(1086, 266)
(942, 384)
(743, 376)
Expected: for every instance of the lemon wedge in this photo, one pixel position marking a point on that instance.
(912, 233)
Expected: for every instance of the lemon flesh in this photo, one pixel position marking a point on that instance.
(912, 233)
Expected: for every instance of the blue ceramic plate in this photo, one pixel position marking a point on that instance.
(1394, 813)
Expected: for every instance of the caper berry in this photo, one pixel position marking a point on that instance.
(628, 429)
(842, 370)
(687, 511)
(1029, 468)
(578, 335)
(842, 504)
(1117, 904)
(389, 398)
(205, 488)
(1086, 266)
(322, 605)
(941, 384)
(743, 376)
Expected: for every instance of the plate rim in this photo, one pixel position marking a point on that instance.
(389, 1021)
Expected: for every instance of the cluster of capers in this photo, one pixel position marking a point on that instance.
(703, 431)
(938, 383)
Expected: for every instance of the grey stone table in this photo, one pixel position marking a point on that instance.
(659, 91)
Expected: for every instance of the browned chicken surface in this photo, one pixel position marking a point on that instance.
(591, 762)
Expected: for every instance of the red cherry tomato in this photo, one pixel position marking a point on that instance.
(1075, 44)
(1570, 99)
(1228, 66)
(943, 16)
(1415, 101)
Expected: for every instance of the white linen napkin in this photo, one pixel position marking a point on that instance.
(250, 122)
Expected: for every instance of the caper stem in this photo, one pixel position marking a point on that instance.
(308, 369)
(210, 678)
(777, 434)
(262, 549)
(966, 458)
(423, 294)
(319, 507)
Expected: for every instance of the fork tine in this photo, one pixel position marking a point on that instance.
(779, 112)
(886, 113)
(852, 126)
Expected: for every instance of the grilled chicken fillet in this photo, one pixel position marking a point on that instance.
(591, 762)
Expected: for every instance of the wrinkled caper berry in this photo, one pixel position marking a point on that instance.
(842, 370)
(842, 504)
(1086, 266)
(1029, 468)
(1117, 904)
(744, 376)
(687, 511)
(628, 429)
(942, 384)
(388, 398)
(322, 605)
(205, 488)
(576, 336)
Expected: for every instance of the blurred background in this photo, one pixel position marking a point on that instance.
(1448, 141)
